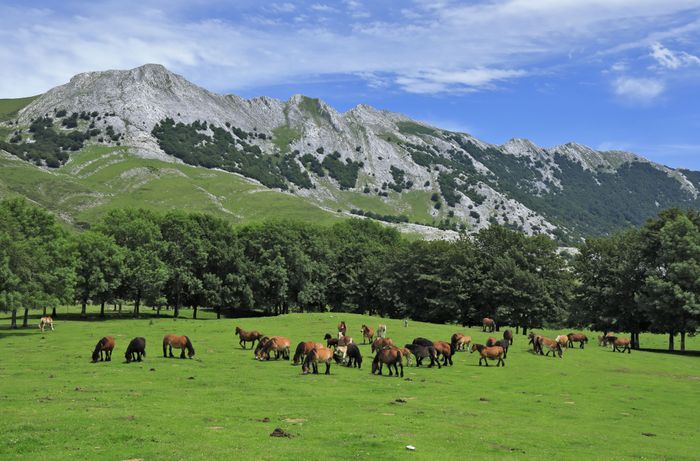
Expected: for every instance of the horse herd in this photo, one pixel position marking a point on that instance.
(341, 348)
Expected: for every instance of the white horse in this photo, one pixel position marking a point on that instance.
(44, 322)
(381, 331)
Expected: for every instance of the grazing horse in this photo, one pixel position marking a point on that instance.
(390, 356)
(534, 339)
(367, 333)
(260, 345)
(105, 345)
(460, 342)
(316, 356)
(421, 352)
(553, 347)
(353, 355)
(381, 331)
(279, 344)
(342, 328)
(486, 353)
(488, 324)
(44, 322)
(445, 349)
(491, 341)
(380, 343)
(178, 342)
(577, 338)
(508, 334)
(620, 344)
(303, 348)
(135, 350)
(248, 337)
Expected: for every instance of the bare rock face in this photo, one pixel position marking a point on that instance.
(134, 101)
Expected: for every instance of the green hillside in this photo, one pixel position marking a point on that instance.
(10, 107)
(98, 179)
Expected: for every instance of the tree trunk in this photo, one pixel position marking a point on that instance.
(194, 312)
(524, 331)
(120, 308)
(25, 323)
(137, 305)
(517, 329)
(102, 309)
(176, 307)
(682, 341)
(218, 313)
(13, 322)
(83, 310)
(44, 311)
(670, 341)
(53, 313)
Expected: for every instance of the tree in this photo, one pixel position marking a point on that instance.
(670, 296)
(98, 268)
(144, 273)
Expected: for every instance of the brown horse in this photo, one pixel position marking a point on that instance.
(534, 339)
(577, 338)
(279, 344)
(379, 343)
(342, 328)
(44, 322)
(248, 337)
(303, 348)
(314, 357)
(367, 333)
(105, 345)
(390, 356)
(488, 324)
(491, 341)
(620, 344)
(553, 347)
(491, 353)
(563, 340)
(603, 340)
(445, 349)
(460, 342)
(178, 342)
(508, 334)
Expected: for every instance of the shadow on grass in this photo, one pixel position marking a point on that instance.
(666, 351)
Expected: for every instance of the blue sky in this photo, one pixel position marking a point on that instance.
(612, 74)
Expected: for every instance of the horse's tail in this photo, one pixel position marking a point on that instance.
(298, 352)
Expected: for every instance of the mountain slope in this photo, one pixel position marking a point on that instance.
(364, 161)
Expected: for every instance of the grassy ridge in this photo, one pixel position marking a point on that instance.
(592, 404)
(99, 179)
(10, 107)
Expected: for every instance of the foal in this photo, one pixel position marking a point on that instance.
(248, 337)
(44, 322)
(316, 356)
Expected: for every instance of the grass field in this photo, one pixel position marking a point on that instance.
(592, 404)
(10, 107)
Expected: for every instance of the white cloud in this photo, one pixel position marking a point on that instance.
(670, 59)
(445, 46)
(638, 90)
(438, 81)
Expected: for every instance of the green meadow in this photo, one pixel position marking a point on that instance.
(592, 404)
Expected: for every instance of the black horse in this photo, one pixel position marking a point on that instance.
(504, 343)
(136, 350)
(354, 356)
(422, 342)
(421, 352)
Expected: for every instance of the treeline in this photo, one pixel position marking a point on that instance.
(641, 280)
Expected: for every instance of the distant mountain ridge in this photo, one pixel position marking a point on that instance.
(365, 161)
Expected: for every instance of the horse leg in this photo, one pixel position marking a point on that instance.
(328, 368)
(182, 354)
(109, 356)
(165, 350)
(401, 365)
(138, 356)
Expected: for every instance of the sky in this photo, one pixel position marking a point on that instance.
(611, 74)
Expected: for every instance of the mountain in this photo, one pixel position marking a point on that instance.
(364, 161)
